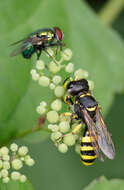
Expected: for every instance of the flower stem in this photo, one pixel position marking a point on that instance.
(111, 11)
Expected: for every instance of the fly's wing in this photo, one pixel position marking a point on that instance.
(25, 43)
(104, 137)
(93, 133)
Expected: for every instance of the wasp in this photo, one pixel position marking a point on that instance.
(39, 41)
(96, 141)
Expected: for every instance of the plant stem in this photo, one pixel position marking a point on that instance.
(111, 11)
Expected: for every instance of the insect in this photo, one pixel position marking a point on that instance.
(39, 41)
(87, 111)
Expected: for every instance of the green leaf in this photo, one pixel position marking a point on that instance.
(103, 184)
(96, 48)
(16, 185)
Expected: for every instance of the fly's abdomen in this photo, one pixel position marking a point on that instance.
(27, 53)
(87, 152)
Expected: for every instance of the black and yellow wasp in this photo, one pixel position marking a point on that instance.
(96, 140)
(39, 41)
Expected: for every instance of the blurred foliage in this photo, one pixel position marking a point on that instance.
(103, 184)
(14, 185)
(96, 48)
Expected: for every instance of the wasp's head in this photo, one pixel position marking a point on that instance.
(59, 34)
(75, 87)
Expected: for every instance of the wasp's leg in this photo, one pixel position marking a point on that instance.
(68, 100)
(74, 131)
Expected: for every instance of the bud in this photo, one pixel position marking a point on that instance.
(23, 178)
(66, 54)
(53, 67)
(91, 84)
(80, 73)
(44, 81)
(5, 180)
(13, 147)
(6, 165)
(69, 140)
(63, 148)
(41, 110)
(15, 175)
(52, 86)
(59, 91)
(55, 135)
(56, 105)
(17, 164)
(29, 161)
(4, 150)
(52, 116)
(23, 151)
(77, 148)
(40, 65)
(4, 173)
(56, 79)
(64, 126)
(69, 68)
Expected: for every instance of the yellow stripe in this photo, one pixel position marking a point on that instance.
(86, 139)
(86, 148)
(86, 157)
(87, 164)
(91, 109)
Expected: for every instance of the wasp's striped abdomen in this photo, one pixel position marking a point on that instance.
(87, 152)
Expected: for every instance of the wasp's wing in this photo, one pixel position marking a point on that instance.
(93, 133)
(104, 137)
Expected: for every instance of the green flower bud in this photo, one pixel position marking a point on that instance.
(52, 86)
(15, 176)
(53, 128)
(77, 148)
(33, 71)
(4, 173)
(80, 73)
(40, 65)
(59, 91)
(6, 165)
(23, 151)
(53, 67)
(23, 178)
(64, 126)
(29, 161)
(1, 164)
(56, 105)
(55, 135)
(6, 157)
(66, 54)
(5, 180)
(56, 79)
(44, 81)
(91, 84)
(35, 76)
(17, 164)
(69, 140)
(63, 148)
(43, 104)
(52, 116)
(41, 110)
(4, 150)
(69, 68)
(13, 147)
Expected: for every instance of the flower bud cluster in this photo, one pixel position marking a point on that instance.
(12, 160)
(49, 75)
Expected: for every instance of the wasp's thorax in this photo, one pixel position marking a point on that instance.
(74, 88)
